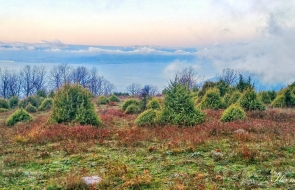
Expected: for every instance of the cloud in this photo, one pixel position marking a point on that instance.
(178, 65)
(107, 51)
(53, 50)
(46, 46)
(55, 43)
(138, 50)
(270, 56)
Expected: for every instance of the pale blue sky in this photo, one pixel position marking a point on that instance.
(139, 22)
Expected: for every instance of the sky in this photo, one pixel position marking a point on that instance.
(255, 36)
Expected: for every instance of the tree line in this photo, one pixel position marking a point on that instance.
(31, 79)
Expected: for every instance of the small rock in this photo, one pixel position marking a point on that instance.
(216, 155)
(240, 131)
(92, 180)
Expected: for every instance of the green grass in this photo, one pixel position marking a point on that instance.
(131, 157)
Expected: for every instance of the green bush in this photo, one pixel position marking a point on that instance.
(132, 109)
(272, 94)
(264, 97)
(114, 98)
(31, 109)
(46, 104)
(4, 103)
(179, 107)
(19, 115)
(3, 110)
(211, 100)
(279, 102)
(249, 101)
(285, 98)
(128, 102)
(154, 104)
(13, 102)
(51, 94)
(102, 100)
(147, 118)
(42, 93)
(234, 98)
(33, 100)
(290, 96)
(232, 113)
(72, 103)
(226, 99)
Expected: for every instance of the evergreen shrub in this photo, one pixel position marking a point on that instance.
(31, 109)
(3, 103)
(211, 100)
(114, 98)
(19, 115)
(147, 118)
(128, 102)
(13, 101)
(72, 103)
(154, 104)
(234, 112)
(179, 107)
(102, 100)
(46, 104)
(132, 109)
(249, 101)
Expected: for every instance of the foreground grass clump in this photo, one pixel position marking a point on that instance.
(179, 107)
(4, 104)
(19, 115)
(102, 100)
(72, 103)
(234, 112)
(46, 104)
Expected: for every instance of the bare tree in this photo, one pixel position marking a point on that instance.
(133, 89)
(55, 78)
(188, 77)
(60, 75)
(4, 77)
(15, 84)
(80, 75)
(28, 84)
(33, 79)
(38, 75)
(229, 76)
(65, 73)
(108, 87)
(93, 81)
(149, 90)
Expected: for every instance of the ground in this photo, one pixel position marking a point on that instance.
(36, 155)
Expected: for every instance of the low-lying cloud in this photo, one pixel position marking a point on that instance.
(270, 56)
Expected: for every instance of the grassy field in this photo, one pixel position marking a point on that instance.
(211, 155)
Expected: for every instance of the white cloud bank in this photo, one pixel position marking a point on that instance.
(271, 56)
